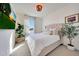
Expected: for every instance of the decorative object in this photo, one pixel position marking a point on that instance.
(70, 31)
(20, 34)
(39, 7)
(72, 18)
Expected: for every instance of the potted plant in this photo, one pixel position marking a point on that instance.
(20, 34)
(70, 31)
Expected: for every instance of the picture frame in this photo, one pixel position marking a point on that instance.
(72, 18)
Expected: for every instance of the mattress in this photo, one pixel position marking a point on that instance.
(38, 42)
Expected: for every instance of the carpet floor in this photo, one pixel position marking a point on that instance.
(63, 51)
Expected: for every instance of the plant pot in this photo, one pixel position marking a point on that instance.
(18, 40)
(71, 47)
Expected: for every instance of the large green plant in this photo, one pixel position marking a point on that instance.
(19, 31)
(70, 31)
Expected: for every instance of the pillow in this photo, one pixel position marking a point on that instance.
(53, 31)
(46, 32)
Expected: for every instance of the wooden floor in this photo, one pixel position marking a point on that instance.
(63, 51)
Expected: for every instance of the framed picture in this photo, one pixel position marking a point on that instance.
(72, 18)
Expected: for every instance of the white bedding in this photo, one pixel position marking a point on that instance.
(38, 41)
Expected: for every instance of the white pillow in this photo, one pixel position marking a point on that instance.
(53, 31)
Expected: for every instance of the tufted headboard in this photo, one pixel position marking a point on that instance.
(54, 27)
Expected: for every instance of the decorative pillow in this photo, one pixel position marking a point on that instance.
(46, 32)
(54, 28)
(53, 31)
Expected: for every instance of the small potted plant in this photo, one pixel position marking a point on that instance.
(70, 32)
(20, 34)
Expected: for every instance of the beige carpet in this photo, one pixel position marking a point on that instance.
(63, 51)
(23, 50)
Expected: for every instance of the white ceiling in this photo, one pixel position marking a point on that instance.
(29, 8)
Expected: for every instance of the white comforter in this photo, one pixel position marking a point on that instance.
(37, 42)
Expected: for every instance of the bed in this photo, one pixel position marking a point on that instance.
(41, 43)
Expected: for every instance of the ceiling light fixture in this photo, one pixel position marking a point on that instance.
(39, 7)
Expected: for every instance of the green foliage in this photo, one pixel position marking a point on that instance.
(69, 30)
(5, 22)
(19, 31)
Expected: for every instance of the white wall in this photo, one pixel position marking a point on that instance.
(58, 16)
(5, 36)
(20, 18)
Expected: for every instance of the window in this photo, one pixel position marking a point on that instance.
(30, 23)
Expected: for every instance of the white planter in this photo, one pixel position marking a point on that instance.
(70, 47)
